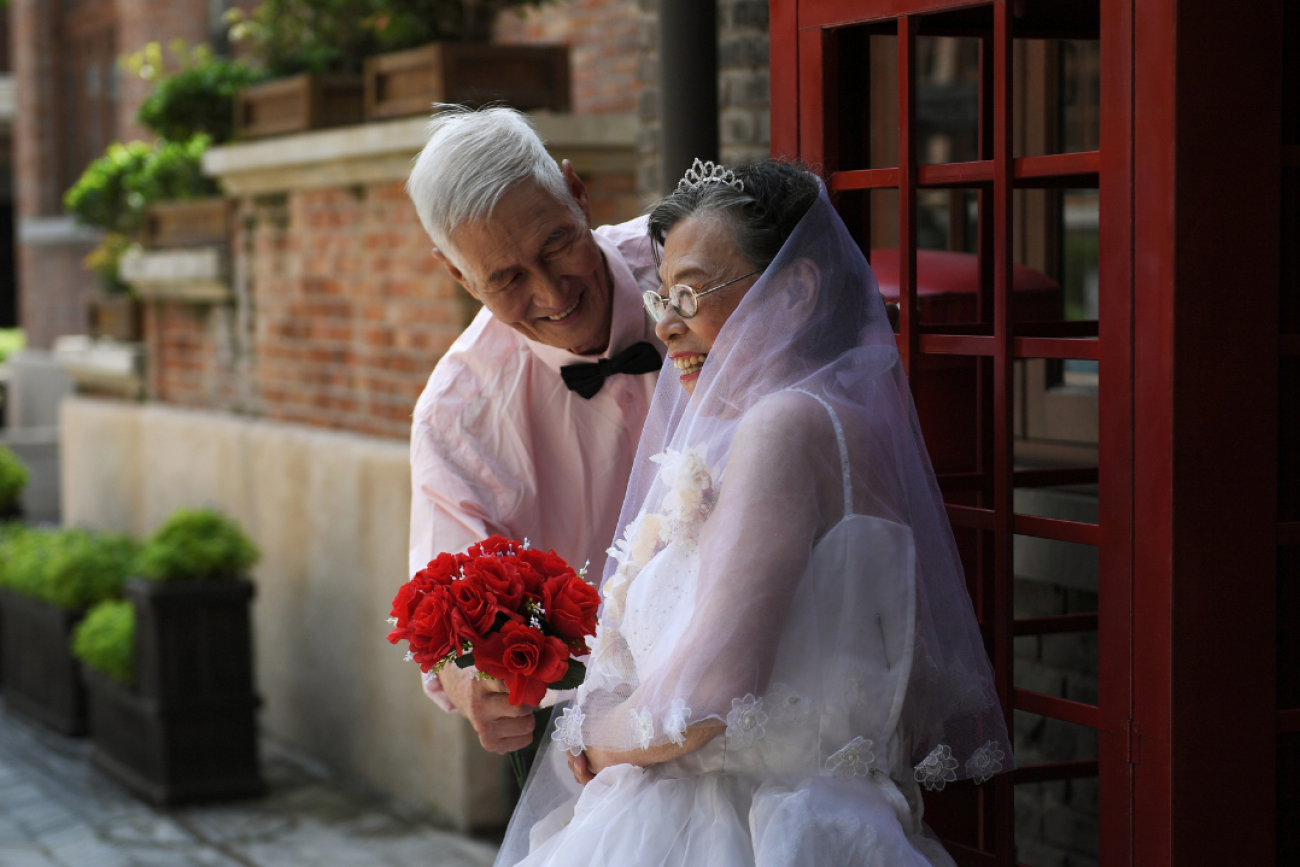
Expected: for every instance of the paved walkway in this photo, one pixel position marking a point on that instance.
(56, 810)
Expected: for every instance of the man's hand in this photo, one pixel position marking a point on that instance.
(501, 726)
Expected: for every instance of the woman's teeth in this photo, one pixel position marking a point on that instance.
(558, 316)
(688, 364)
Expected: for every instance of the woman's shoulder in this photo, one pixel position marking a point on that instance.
(788, 430)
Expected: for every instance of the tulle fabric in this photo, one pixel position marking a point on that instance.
(786, 573)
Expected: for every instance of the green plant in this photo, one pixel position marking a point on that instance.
(198, 98)
(13, 478)
(105, 640)
(72, 569)
(114, 191)
(293, 36)
(11, 340)
(197, 544)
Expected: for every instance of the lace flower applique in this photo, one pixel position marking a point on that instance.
(675, 722)
(937, 769)
(745, 722)
(568, 730)
(691, 493)
(854, 759)
(786, 705)
(642, 540)
(642, 726)
(984, 763)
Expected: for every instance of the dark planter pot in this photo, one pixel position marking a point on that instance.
(193, 642)
(470, 73)
(187, 223)
(203, 751)
(41, 679)
(188, 730)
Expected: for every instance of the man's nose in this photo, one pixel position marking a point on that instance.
(549, 290)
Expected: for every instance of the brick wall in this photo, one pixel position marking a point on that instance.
(54, 287)
(602, 35)
(341, 316)
(35, 56)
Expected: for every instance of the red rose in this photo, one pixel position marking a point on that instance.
(441, 570)
(571, 605)
(430, 632)
(475, 610)
(494, 546)
(547, 563)
(525, 659)
(496, 575)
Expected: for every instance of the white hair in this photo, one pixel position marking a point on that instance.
(471, 159)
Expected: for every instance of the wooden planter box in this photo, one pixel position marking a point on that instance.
(298, 103)
(187, 731)
(41, 679)
(186, 223)
(526, 77)
(171, 755)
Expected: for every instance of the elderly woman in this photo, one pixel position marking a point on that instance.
(787, 652)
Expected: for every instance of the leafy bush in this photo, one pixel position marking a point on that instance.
(72, 569)
(13, 478)
(105, 639)
(197, 99)
(197, 544)
(115, 189)
(293, 36)
(11, 340)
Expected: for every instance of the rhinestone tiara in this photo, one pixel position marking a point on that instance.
(702, 173)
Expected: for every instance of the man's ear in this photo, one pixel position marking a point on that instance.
(803, 283)
(441, 257)
(577, 188)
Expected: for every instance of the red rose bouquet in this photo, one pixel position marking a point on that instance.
(520, 615)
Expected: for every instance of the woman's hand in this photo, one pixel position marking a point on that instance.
(581, 769)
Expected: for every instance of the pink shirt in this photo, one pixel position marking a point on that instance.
(500, 445)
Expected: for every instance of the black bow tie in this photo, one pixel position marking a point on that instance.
(586, 379)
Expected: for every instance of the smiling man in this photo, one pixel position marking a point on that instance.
(529, 424)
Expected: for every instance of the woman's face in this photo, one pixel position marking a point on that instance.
(700, 252)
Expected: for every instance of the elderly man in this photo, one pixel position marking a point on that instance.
(529, 424)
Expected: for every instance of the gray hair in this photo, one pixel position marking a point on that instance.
(472, 158)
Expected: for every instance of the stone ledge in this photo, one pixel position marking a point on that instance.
(197, 274)
(382, 151)
(52, 231)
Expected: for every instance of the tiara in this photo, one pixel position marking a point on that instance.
(702, 173)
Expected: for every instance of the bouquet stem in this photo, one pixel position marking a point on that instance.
(522, 760)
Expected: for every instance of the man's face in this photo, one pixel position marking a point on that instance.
(536, 267)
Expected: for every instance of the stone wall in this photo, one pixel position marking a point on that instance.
(330, 512)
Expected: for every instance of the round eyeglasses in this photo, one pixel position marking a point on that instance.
(682, 298)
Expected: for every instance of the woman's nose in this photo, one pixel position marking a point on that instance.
(670, 325)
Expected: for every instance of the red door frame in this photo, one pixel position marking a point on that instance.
(1188, 413)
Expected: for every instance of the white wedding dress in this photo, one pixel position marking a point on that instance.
(814, 772)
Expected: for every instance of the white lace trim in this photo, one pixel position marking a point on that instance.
(985, 762)
(642, 726)
(937, 769)
(568, 730)
(786, 706)
(854, 759)
(675, 722)
(745, 723)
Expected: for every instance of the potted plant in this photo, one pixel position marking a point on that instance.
(48, 579)
(170, 675)
(13, 479)
(412, 52)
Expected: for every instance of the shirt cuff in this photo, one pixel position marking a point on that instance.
(433, 689)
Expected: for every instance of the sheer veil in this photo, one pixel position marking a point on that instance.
(787, 563)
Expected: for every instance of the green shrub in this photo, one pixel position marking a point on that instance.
(105, 640)
(72, 569)
(115, 189)
(197, 99)
(197, 544)
(13, 478)
(11, 340)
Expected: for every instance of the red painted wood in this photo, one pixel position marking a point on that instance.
(1074, 170)
(1057, 347)
(828, 13)
(812, 107)
(908, 303)
(1057, 708)
(1076, 165)
(784, 74)
(865, 179)
(972, 516)
(1055, 624)
(1075, 770)
(1057, 529)
(1288, 533)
